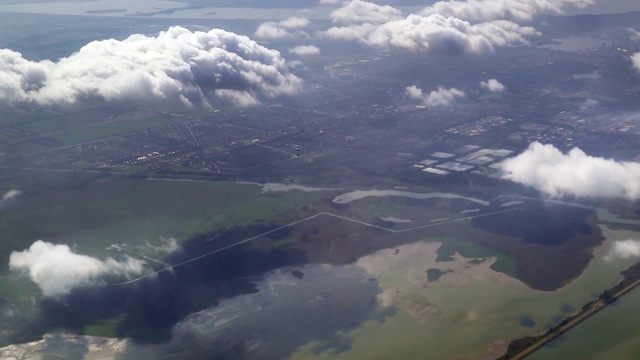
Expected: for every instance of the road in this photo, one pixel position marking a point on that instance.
(594, 308)
(171, 267)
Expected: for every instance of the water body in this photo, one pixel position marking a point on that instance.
(276, 187)
(395, 219)
(470, 211)
(383, 304)
(470, 312)
(574, 44)
(603, 214)
(593, 75)
(93, 7)
(360, 194)
(511, 203)
(179, 10)
(291, 307)
(613, 333)
(264, 188)
(606, 7)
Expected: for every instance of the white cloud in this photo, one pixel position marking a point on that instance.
(305, 50)
(625, 249)
(167, 245)
(634, 34)
(488, 10)
(178, 67)
(439, 97)
(589, 104)
(548, 170)
(57, 270)
(472, 26)
(358, 32)
(635, 60)
(435, 33)
(162, 247)
(414, 92)
(330, 2)
(358, 11)
(492, 85)
(287, 28)
(295, 22)
(9, 195)
(240, 98)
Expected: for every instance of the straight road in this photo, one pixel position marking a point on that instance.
(585, 314)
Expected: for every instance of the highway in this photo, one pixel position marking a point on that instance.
(585, 314)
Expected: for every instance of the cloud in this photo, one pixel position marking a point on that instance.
(634, 34)
(625, 249)
(9, 195)
(635, 60)
(305, 50)
(358, 11)
(167, 245)
(287, 28)
(162, 247)
(57, 270)
(435, 33)
(439, 97)
(488, 10)
(492, 85)
(330, 2)
(472, 26)
(589, 104)
(547, 169)
(178, 67)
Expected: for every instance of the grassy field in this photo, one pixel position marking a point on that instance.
(108, 129)
(57, 123)
(134, 211)
(13, 117)
(141, 213)
(94, 214)
(468, 249)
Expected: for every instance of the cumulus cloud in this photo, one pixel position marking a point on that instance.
(487, 10)
(472, 26)
(635, 60)
(9, 195)
(492, 85)
(439, 97)
(435, 33)
(287, 28)
(57, 270)
(178, 67)
(625, 249)
(305, 50)
(634, 34)
(589, 104)
(555, 174)
(330, 2)
(163, 247)
(358, 11)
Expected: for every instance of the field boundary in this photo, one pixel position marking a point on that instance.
(171, 267)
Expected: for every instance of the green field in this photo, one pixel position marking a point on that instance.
(58, 123)
(12, 118)
(119, 210)
(102, 211)
(142, 213)
(108, 129)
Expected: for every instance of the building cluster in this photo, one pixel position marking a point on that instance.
(463, 159)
